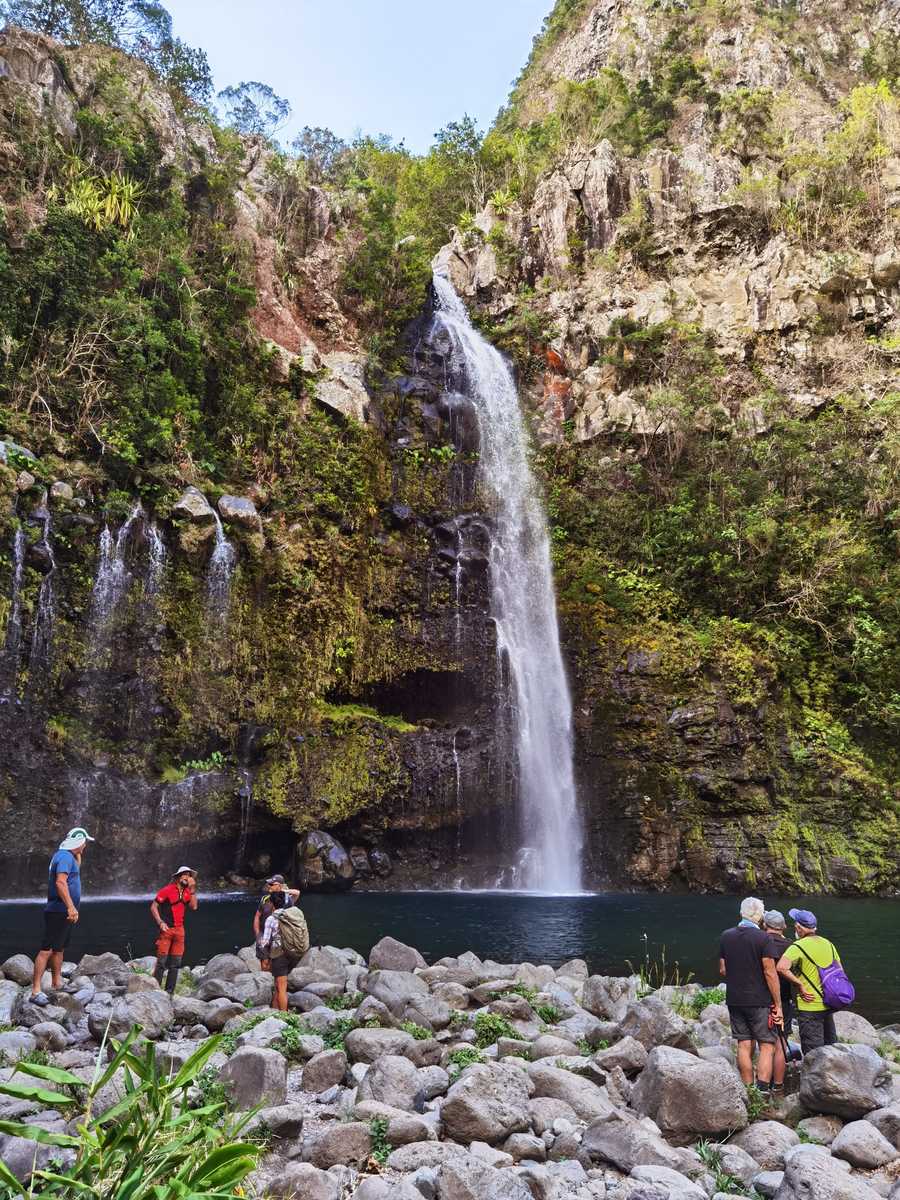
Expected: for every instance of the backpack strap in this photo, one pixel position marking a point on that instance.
(815, 964)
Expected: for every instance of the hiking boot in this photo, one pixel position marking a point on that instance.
(41, 999)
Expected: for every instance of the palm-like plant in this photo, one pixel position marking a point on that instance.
(149, 1146)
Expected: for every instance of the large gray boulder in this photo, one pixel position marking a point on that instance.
(324, 1071)
(887, 1122)
(653, 1023)
(688, 1097)
(391, 1080)
(767, 1142)
(396, 989)
(152, 1012)
(818, 1176)
(299, 1181)
(238, 510)
(9, 1000)
(629, 1054)
(587, 1099)
(851, 1027)
(368, 1045)
(469, 1179)
(15, 1044)
(19, 968)
(608, 996)
(225, 966)
(391, 955)
(193, 506)
(254, 1075)
(848, 1081)
(860, 1144)
(627, 1142)
(675, 1186)
(347, 1144)
(487, 1103)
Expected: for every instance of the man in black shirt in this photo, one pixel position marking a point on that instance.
(752, 987)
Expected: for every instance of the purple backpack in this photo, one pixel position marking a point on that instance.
(836, 991)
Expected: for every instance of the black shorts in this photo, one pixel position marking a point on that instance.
(57, 931)
(282, 966)
(751, 1024)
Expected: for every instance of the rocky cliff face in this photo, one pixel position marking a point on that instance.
(305, 676)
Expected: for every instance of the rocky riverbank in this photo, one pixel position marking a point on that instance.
(472, 1080)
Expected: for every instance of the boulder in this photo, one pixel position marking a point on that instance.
(284, 1121)
(323, 865)
(424, 1155)
(860, 1144)
(220, 1012)
(324, 1070)
(266, 1033)
(627, 1142)
(468, 1179)
(373, 1188)
(767, 1142)
(9, 1000)
(102, 964)
(487, 1103)
(403, 1127)
(19, 968)
(629, 1054)
(391, 955)
(342, 387)
(171, 1056)
(192, 506)
(367, 1045)
(675, 1186)
(823, 1130)
(653, 1024)
(238, 510)
(391, 1080)
(16, 1043)
(548, 1046)
(348, 1144)
(608, 996)
(152, 1012)
(853, 1028)
(525, 1147)
(848, 1081)
(820, 1177)
(886, 1121)
(546, 1111)
(254, 1075)
(396, 990)
(687, 1096)
(738, 1163)
(49, 1035)
(587, 1099)
(61, 492)
(300, 1181)
(225, 966)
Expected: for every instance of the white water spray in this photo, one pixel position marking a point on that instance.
(524, 609)
(14, 622)
(218, 575)
(42, 638)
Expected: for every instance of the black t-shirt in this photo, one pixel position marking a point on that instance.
(779, 943)
(743, 949)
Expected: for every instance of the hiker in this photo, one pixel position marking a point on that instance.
(60, 912)
(800, 965)
(774, 924)
(752, 991)
(168, 909)
(277, 895)
(283, 942)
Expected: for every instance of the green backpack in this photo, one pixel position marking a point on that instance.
(293, 931)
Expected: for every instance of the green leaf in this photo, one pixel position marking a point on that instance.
(36, 1133)
(7, 1178)
(196, 1062)
(68, 1180)
(227, 1165)
(122, 1106)
(52, 1074)
(116, 1061)
(31, 1091)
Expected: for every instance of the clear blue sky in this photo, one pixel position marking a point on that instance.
(403, 67)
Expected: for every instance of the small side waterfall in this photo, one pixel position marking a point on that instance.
(13, 644)
(156, 568)
(218, 576)
(42, 637)
(111, 585)
(523, 606)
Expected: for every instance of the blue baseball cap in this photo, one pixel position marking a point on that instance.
(803, 917)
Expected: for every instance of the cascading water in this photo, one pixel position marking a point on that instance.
(13, 643)
(523, 607)
(156, 568)
(111, 583)
(218, 575)
(42, 637)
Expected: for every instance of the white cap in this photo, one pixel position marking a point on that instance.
(75, 839)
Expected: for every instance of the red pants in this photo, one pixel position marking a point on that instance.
(171, 943)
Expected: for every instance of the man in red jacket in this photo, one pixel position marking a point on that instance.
(168, 911)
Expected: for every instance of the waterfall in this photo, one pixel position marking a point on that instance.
(110, 585)
(245, 795)
(218, 576)
(156, 567)
(13, 643)
(42, 636)
(523, 606)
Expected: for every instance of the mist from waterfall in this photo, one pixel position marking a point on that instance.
(523, 606)
(218, 575)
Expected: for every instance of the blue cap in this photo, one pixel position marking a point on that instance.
(804, 917)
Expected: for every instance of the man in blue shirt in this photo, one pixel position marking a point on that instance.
(61, 910)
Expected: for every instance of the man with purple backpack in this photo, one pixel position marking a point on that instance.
(814, 966)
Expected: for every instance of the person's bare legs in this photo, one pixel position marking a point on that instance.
(780, 1066)
(764, 1065)
(40, 966)
(279, 998)
(745, 1061)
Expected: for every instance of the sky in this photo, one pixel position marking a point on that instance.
(402, 67)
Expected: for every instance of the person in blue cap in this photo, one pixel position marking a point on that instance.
(60, 912)
(800, 964)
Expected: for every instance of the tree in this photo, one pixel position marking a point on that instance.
(71, 21)
(322, 151)
(253, 108)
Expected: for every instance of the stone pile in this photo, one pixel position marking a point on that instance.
(475, 1080)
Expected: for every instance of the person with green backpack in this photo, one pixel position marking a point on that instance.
(814, 966)
(283, 942)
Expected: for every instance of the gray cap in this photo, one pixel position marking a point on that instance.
(774, 919)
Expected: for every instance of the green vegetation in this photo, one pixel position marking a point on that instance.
(491, 1026)
(150, 1145)
(419, 1032)
(459, 1059)
(711, 1155)
(381, 1147)
(548, 1013)
(345, 1001)
(703, 999)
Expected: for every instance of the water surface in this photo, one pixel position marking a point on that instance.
(606, 930)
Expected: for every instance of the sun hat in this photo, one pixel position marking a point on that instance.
(275, 879)
(774, 919)
(184, 871)
(804, 917)
(75, 838)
